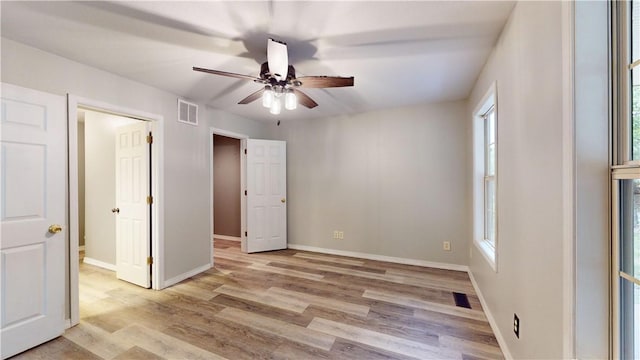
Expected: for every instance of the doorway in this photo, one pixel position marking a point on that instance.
(263, 208)
(227, 188)
(226, 156)
(97, 186)
(154, 263)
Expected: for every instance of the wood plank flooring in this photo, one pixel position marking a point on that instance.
(285, 304)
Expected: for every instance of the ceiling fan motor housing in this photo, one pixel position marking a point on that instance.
(268, 78)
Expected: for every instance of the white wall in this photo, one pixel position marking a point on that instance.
(185, 169)
(394, 181)
(527, 65)
(100, 184)
(592, 179)
(100, 187)
(81, 197)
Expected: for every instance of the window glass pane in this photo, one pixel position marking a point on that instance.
(635, 30)
(491, 159)
(635, 79)
(629, 320)
(635, 111)
(491, 128)
(636, 321)
(630, 227)
(629, 258)
(490, 211)
(490, 142)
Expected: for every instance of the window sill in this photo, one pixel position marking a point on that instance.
(488, 252)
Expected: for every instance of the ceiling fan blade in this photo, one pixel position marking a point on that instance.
(224, 73)
(277, 58)
(324, 81)
(304, 99)
(253, 97)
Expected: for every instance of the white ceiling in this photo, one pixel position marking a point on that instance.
(400, 53)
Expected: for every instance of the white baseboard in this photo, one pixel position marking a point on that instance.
(492, 320)
(176, 279)
(226, 237)
(392, 259)
(98, 263)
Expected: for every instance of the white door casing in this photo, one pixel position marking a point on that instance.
(32, 259)
(132, 210)
(266, 195)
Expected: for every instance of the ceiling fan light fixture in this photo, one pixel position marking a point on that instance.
(290, 100)
(276, 106)
(280, 82)
(267, 97)
(277, 58)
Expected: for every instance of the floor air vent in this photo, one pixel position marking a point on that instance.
(461, 300)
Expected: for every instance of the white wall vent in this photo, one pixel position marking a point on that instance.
(187, 112)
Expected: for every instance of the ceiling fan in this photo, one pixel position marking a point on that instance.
(280, 81)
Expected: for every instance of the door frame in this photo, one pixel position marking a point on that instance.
(243, 182)
(157, 208)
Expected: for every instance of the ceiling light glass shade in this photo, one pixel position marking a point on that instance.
(267, 97)
(276, 106)
(278, 59)
(290, 100)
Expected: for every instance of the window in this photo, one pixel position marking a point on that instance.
(485, 189)
(626, 185)
(489, 119)
(629, 268)
(633, 75)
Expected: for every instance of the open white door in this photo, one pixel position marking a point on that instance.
(266, 195)
(133, 209)
(32, 250)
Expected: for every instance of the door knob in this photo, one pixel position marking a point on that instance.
(55, 228)
(115, 210)
(283, 200)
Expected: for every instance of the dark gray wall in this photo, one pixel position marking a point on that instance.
(226, 188)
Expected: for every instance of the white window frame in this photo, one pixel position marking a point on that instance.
(488, 248)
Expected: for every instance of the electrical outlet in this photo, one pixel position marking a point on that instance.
(341, 235)
(446, 246)
(516, 325)
(336, 234)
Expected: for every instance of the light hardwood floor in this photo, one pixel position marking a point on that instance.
(285, 304)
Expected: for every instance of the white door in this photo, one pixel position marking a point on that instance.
(132, 209)
(266, 195)
(32, 250)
